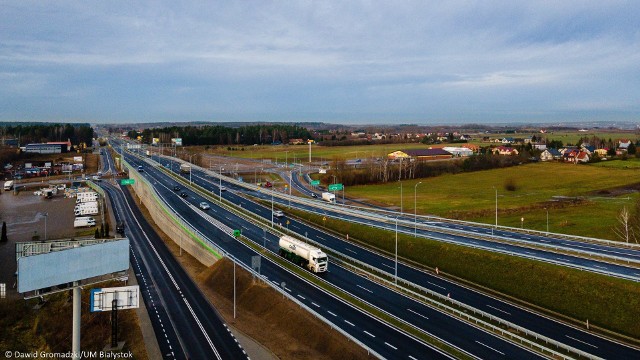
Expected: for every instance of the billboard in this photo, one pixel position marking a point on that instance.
(77, 159)
(176, 141)
(73, 264)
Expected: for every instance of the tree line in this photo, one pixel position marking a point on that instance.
(38, 133)
(222, 135)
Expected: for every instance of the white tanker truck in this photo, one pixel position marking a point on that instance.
(303, 254)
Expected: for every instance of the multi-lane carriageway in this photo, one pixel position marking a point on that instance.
(577, 338)
(386, 341)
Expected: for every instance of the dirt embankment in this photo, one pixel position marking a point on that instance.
(277, 323)
(261, 313)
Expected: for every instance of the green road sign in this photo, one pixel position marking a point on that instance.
(335, 187)
(127, 182)
(236, 233)
(315, 182)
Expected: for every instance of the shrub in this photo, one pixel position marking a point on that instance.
(510, 185)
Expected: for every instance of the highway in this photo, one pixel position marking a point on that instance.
(453, 331)
(185, 323)
(539, 323)
(552, 243)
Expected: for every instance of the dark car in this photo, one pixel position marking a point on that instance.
(176, 188)
(183, 194)
(313, 195)
(120, 227)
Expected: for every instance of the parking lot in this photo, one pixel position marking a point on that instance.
(25, 217)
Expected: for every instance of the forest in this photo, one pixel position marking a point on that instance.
(40, 132)
(222, 135)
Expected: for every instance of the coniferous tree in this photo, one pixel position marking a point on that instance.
(97, 234)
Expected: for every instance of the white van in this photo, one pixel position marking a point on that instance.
(86, 194)
(86, 200)
(84, 221)
(86, 205)
(87, 211)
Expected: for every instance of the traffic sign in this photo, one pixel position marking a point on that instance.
(127, 182)
(315, 182)
(335, 187)
(236, 233)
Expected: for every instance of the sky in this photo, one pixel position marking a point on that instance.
(351, 62)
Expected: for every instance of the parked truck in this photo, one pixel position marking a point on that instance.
(84, 221)
(327, 196)
(303, 254)
(8, 185)
(87, 211)
(185, 168)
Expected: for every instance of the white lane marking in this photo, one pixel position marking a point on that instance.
(489, 347)
(350, 250)
(368, 333)
(350, 323)
(331, 313)
(567, 260)
(301, 297)
(530, 253)
(526, 238)
(441, 287)
(389, 266)
(314, 304)
(584, 342)
(501, 247)
(364, 288)
(418, 314)
(600, 267)
(544, 241)
(502, 311)
(391, 346)
(412, 358)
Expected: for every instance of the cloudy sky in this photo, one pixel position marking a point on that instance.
(348, 61)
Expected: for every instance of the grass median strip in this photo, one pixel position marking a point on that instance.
(613, 304)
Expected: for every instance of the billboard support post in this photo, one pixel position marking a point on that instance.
(114, 323)
(75, 338)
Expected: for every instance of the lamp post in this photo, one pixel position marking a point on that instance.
(220, 182)
(272, 208)
(496, 227)
(46, 216)
(190, 168)
(547, 210)
(290, 177)
(415, 209)
(396, 268)
(522, 223)
(400, 197)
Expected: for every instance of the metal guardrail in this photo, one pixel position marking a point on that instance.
(181, 221)
(355, 211)
(439, 305)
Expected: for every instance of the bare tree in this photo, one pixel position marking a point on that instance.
(623, 229)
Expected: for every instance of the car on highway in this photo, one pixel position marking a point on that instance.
(204, 206)
(222, 188)
(183, 194)
(176, 188)
(314, 195)
(278, 213)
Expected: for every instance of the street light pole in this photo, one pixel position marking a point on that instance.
(271, 208)
(400, 197)
(220, 182)
(396, 279)
(547, 220)
(46, 216)
(415, 209)
(494, 188)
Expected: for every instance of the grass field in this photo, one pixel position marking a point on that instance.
(472, 196)
(613, 303)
